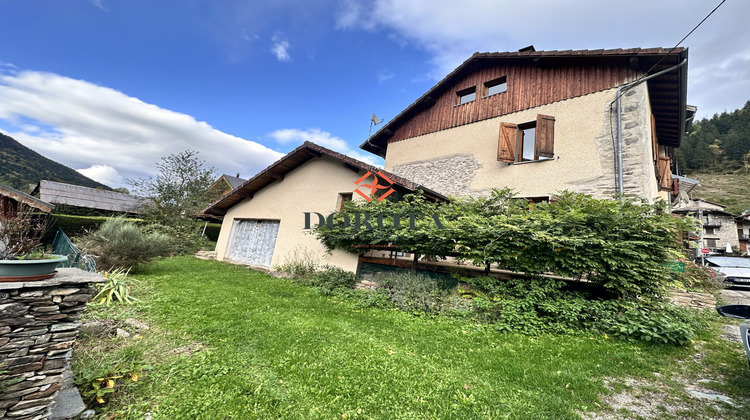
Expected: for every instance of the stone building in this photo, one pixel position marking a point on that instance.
(540, 122)
(719, 227)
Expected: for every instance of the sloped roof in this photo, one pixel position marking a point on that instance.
(20, 197)
(668, 92)
(75, 195)
(233, 180)
(297, 158)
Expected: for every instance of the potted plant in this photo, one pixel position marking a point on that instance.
(21, 258)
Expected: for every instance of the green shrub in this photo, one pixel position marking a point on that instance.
(365, 298)
(301, 263)
(413, 291)
(116, 288)
(697, 277)
(185, 238)
(120, 243)
(331, 278)
(534, 306)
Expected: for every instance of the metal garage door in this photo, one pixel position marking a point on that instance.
(252, 241)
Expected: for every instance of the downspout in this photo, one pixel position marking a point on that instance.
(618, 104)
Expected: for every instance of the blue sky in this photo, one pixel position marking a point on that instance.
(110, 86)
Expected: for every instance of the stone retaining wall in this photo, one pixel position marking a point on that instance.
(38, 325)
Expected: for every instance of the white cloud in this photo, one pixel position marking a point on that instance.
(80, 124)
(323, 138)
(99, 4)
(385, 75)
(103, 173)
(280, 48)
(451, 31)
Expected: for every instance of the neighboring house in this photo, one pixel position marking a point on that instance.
(719, 227)
(743, 232)
(224, 185)
(89, 198)
(264, 218)
(540, 122)
(11, 199)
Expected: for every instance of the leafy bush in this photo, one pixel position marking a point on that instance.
(659, 323)
(413, 291)
(121, 243)
(331, 278)
(21, 231)
(301, 263)
(698, 277)
(620, 246)
(534, 306)
(212, 231)
(74, 225)
(185, 238)
(116, 288)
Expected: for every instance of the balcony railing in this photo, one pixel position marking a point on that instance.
(711, 223)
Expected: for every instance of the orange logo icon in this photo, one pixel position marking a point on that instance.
(374, 186)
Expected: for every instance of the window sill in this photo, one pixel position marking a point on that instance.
(531, 161)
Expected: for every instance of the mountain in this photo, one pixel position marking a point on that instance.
(21, 168)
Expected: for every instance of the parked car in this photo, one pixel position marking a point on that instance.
(735, 270)
(739, 312)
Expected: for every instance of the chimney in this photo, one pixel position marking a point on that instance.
(238, 175)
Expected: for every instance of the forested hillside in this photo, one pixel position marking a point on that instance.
(21, 167)
(717, 153)
(717, 144)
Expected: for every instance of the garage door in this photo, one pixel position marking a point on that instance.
(252, 241)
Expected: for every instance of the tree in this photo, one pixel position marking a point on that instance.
(178, 191)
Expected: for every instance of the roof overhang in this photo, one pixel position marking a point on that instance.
(298, 157)
(23, 198)
(668, 92)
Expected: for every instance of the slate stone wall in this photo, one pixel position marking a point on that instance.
(38, 326)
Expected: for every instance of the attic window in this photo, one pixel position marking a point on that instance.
(466, 95)
(493, 87)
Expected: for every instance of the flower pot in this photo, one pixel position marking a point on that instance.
(30, 270)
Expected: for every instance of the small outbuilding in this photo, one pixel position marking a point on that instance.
(264, 219)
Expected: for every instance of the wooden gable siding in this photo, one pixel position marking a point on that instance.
(528, 86)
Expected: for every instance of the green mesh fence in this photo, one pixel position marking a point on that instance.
(76, 258)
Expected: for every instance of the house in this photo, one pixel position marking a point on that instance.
(267, 219)
(719, 228)
(591, 121)
(11, 199)
(224, 184)
(87, 198)
(743, 232)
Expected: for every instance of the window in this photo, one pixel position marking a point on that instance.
(343, 198)
(527, 142)
(710, 231)
(493, 87)
(466, 95)
(710, 243)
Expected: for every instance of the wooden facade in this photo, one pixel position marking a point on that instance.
(528, 85)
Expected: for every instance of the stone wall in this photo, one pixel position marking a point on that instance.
(38, 325)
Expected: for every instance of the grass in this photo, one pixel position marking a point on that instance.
(253, 346)
(730, 189)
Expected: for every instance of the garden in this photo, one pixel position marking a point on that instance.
(170, 336)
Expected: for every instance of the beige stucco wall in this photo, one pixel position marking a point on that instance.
(312, 187)
(463, 160)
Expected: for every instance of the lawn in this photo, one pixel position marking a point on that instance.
(230, 343)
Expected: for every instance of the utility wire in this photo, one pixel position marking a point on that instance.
(622, 92)
(673, 48)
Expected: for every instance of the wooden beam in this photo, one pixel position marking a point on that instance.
(351, 167)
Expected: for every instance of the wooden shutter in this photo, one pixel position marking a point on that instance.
(544, 144)
(506, 145)
(664, 174)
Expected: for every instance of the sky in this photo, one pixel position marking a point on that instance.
(108, 87)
